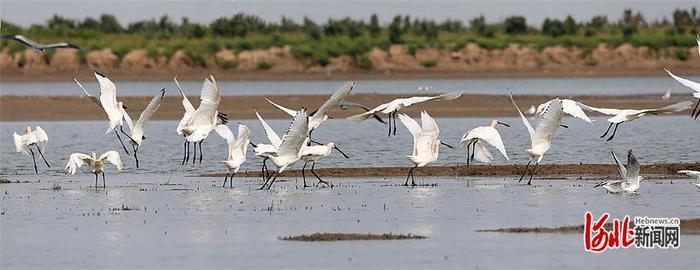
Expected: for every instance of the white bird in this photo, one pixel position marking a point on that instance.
(38, 47)
(289, 150)
(321, 115)
(344, 105)
(570, 107)
(629, 173)
(694, 174)
(76, 160)
(625, 115)
(137, 136)
(203, 120)
(666, 95)
(36, 138)
(266, 150)
(426, 144)
(107, 101)
(540, 137)
(311, 154)
(391, 108)
(692, 85)
(237, 148)
(477, 138)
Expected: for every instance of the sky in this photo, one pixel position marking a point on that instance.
(29, 12)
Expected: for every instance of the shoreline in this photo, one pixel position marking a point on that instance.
(71, 108)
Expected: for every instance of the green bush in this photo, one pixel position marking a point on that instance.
(430, 63)
(590, 62)
(22, 61)
(681, 54)
(264, 65)
(228, 64)
(121, 50)
(364, 62)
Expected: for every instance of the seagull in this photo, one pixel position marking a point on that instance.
(570, 107)
(203, 120)
(36, 138)
(346, 104)
(289, 150)
(237, 148)
(38, 47)
(479, 137)
(541, 136)
(620, 116)
(137, 135)
(311, 154)
(692, 85)
(107, 101)
(666, 95)
(630, 174)
(426, 144)
(392, 107)
(321, 115)
(76, 160)
(694, 174)
(187, 117)
(266, 150)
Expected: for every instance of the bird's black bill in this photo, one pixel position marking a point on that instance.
(341, 152)
(505, 124)
(564, 126)
(450, 146)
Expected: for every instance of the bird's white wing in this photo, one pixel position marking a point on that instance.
(549, 122)
(620, 167)
(243, 137)
(210, 99)
(525, 121)
(112, 157)
(225, 133)
(572, 108)
(91, 97)
(428, 124)
(680, 106)
(411, 125)
(448, 96)
(108, 97)
(150, 110)
(26, 41)
(269, 132)
(42, 139)
(296, 135)
(75, 161)
(336, 98)
(690, 173)
(489, 135)
(185, 101)
(481, 153)
(20, 144)
(600, 110)
(688, 83)
(286, 110)
(366, 115)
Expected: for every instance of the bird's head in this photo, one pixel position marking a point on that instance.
(94, 155)
(496, 122)
(29, 129)
(120, 104)
(333, 146)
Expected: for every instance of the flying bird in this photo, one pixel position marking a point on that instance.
(694, 174)
(625, 115)
(38, 47)
(107, 101)
(629, 174)
(266, 150)
(76, 160)
(391, 108)
(570, 107)
(203, 120)
(426, 144)
(321, 115)
(237, 148)
(692, 85)
(477, 138)
(540, 137)
(312, 154)
(137, 136)
(36, 138)
(347, 104)
(289, 150)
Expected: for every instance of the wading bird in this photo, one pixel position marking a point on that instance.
(692, 85)
(694, 174)
(311, 154)
(548, 123)
(321, 115)
(237, 148)
(76, 160)
(266, 150)
(137, 136)
(38, 47)
(36, 138)
(391, 108)
(289, 150)
(621, 116)
(115, 110)
(183, 126)
(426, 144)
(204, 119)
(477, 138)
(347, 104)
(629, 173)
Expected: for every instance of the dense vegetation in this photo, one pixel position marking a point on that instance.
(309, 39)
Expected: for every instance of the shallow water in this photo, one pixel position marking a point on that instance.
(496, 86)
(194, 223)
(668, 139)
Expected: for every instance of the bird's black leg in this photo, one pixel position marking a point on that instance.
(103, 180)
(96, 176)
(525, 172)
(606, 131)
(413, 178)
(264, 171)
(200, 151)
(194, 153)
(534, 170)
(273, 180)
(265, 183)
(473, 150)
(184, 153)
(389, 125)
(409, 175)
(230, 180)
(320, 181)
(692, 114)
(224, 185)
(614, 132)
(135, 156)
(394, 117)
(468, 157)
(35, 169)
(42, 156)
(120, 141)
(303, 174)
